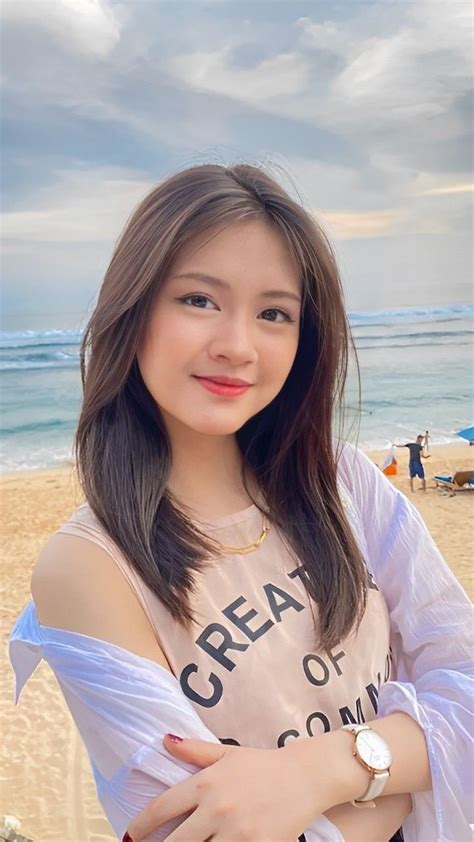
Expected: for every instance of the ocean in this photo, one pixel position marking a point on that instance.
(416, 367)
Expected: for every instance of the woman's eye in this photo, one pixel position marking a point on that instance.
(196, 301)
(274, 314)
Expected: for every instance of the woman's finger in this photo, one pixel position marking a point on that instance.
(197, 828)
(199, 752)
(179, 799)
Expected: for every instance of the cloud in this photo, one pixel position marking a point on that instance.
(389, 78)
(285, 74)
(381, 198)
(368, 102)
(86, 27)
(417, 71)
(81, 206)
(326, 36)
(414, 69)
(90, 205)
(350, 225)
(57, 245)
(448, 190)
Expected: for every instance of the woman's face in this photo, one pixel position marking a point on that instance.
(228, 310)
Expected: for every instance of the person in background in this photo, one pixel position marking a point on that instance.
(426, 445)
(415, 468)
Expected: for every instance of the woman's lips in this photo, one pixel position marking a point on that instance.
(223, 389)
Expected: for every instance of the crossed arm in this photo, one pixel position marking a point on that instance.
(65, 598)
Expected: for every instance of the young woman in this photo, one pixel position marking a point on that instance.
(238, 577)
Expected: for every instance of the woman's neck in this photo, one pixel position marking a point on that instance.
(206, 475)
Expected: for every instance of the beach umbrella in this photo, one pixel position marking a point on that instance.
(467, 434)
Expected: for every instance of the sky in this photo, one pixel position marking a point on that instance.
(362, 109)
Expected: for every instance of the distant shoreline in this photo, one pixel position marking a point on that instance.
(376, 454)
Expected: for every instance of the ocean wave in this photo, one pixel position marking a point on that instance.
(373, 405)
(33, 364)
(419, 334)
(371, 444)
(41, 356)
(412, 344)
(10, 339)
(38, 427)
(37, 459)
(382, 318)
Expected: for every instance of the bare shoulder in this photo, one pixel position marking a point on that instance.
(77, 586)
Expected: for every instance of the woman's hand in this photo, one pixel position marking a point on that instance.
(240, 793)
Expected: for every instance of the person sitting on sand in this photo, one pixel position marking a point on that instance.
(415, 468)
(254, 630)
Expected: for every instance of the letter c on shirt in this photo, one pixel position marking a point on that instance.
(206, 702)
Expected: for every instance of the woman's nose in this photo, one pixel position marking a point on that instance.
(234, 340)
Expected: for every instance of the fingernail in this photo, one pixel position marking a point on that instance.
(127, 837)
(174, 738)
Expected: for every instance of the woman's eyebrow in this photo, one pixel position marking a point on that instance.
(218, 282)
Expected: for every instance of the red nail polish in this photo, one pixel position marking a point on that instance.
(126, 837)
(174, 738)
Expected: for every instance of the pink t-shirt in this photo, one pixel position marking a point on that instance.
(250, 665)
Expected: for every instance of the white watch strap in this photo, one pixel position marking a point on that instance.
(375, 787)
(355, 729)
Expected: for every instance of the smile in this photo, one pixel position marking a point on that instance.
(224, 389)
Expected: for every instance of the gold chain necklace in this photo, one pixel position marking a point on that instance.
(251, 547)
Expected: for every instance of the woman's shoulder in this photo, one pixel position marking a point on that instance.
(68, 574)
(76, 547)
(77, 586)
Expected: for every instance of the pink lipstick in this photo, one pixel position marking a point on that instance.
(225, 386)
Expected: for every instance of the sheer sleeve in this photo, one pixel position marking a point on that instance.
(431, 636)
(123, 705)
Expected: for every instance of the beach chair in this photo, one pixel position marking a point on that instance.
(455, 482)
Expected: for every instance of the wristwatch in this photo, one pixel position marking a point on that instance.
(373, 753)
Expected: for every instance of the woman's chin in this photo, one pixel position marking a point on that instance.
(217, 427)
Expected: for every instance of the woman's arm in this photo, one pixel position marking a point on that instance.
(346, 779)
(378, 825)
(431, 637)
(249, 794)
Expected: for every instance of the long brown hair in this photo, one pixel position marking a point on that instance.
(122, 450)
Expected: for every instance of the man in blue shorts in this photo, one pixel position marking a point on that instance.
(415, 468)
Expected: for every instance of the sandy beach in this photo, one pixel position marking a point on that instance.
(45, 777)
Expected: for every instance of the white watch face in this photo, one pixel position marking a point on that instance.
(373, 750)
